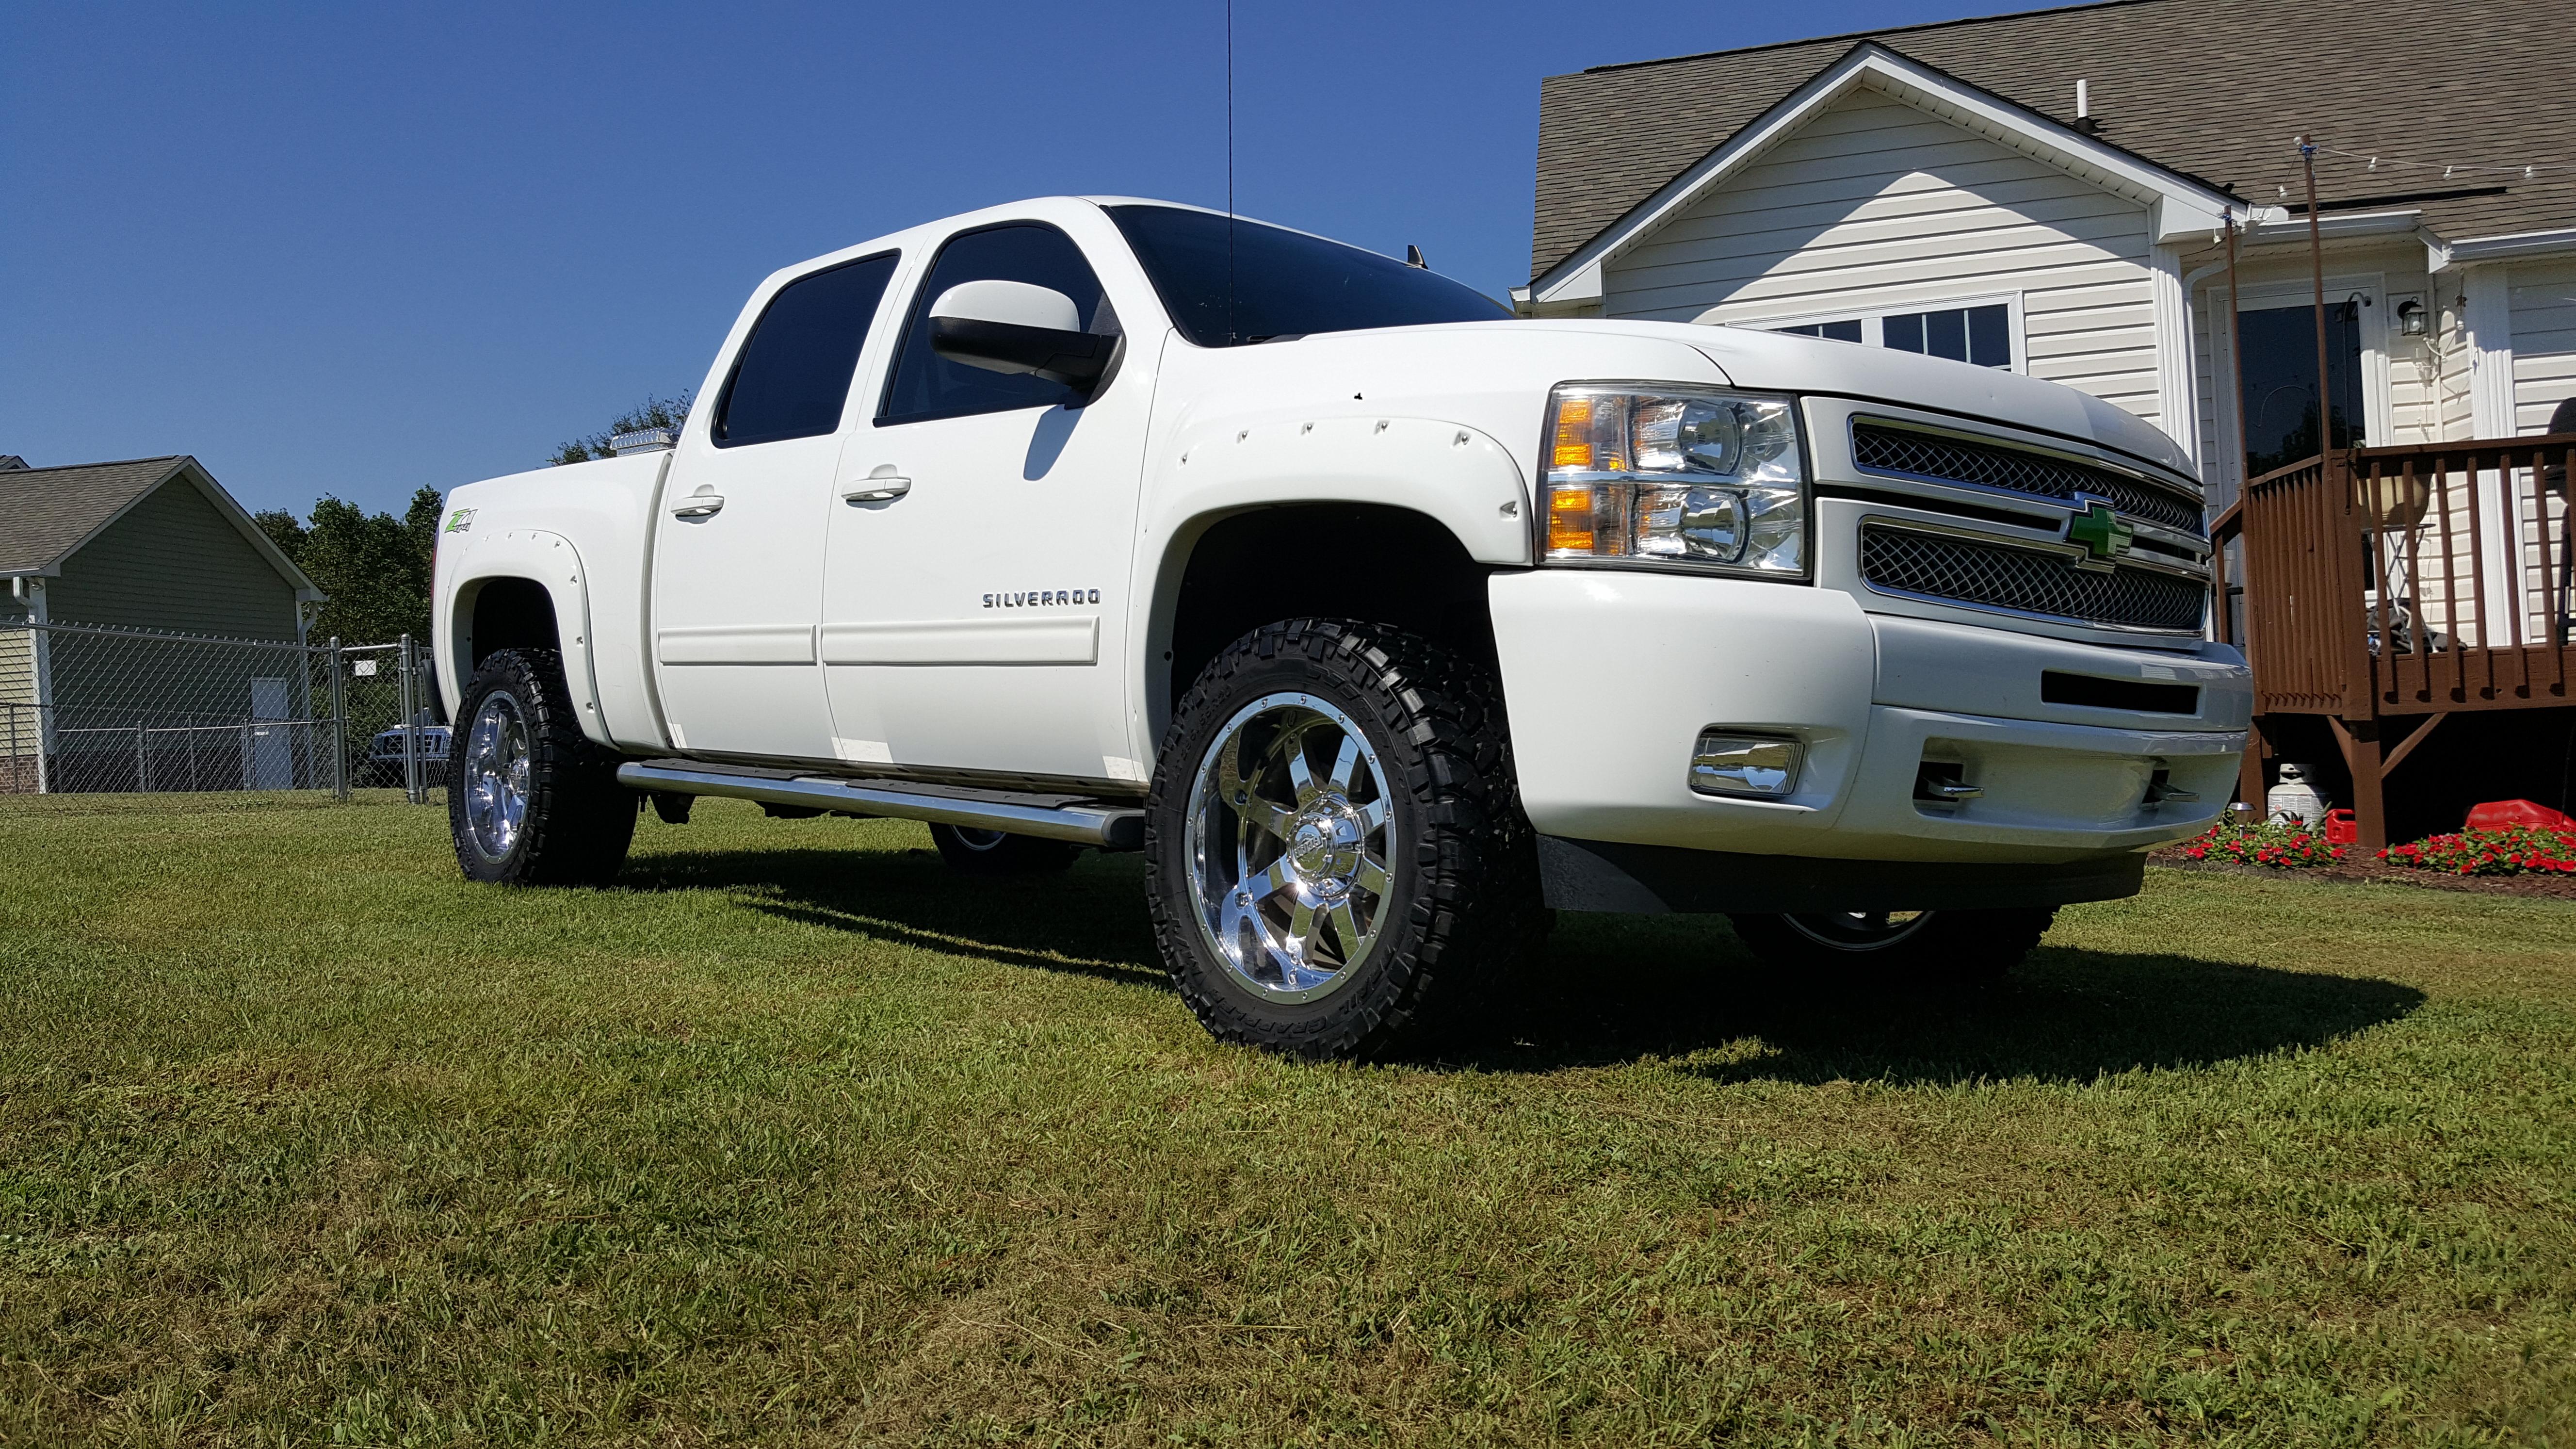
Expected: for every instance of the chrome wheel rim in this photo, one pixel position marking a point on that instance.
(1859, 930)
(496, 776)
(1290, 831)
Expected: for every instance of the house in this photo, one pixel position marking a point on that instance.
(2114, 196)
(117, 573)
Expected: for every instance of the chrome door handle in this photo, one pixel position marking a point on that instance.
(876, 490)
(698, 505)
(1951, 790)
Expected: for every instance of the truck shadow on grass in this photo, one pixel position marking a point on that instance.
(1613, 989)
(1616, 989)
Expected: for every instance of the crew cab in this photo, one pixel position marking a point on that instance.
(1381, 621)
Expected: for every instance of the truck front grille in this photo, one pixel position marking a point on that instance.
(2025, 581)
(1907, 453)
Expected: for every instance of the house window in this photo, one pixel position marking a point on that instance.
(1844, 331)
(1982, 334)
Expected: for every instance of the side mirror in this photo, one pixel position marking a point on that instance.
(1016, 327)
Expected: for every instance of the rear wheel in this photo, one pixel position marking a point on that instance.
(1931, 947)
(992, 852)
(1333, 828)
(532, 800)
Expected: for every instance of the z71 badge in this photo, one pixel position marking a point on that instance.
(1041, 598)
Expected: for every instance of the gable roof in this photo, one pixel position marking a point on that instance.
(2183, 204)
(2202, 88)
(49, 514)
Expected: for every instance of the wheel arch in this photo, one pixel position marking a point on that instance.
(1219, 579)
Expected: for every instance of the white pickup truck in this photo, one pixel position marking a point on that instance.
(1379, 620)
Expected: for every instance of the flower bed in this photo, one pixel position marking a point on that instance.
(2269, 843)
(2490, 852)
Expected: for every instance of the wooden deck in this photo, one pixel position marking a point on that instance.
(2380, 588)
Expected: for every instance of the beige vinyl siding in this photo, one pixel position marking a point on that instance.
(2544, 343)
(2543, 301)
(173, 562)
(1874, 206)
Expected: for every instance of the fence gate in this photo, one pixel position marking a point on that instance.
(89, 709)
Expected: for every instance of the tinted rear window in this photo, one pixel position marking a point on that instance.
(1229, 281)
(794, 372)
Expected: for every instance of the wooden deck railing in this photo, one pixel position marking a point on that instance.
(2416, 579)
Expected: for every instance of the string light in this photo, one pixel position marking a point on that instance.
(2531, 171)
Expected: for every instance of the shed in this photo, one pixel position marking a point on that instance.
(119, 574)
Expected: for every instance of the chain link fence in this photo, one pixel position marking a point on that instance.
(91, 710)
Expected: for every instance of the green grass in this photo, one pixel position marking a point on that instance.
(795, 1138)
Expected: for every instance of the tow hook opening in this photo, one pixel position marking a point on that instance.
(2160, 788)
(1943, 783)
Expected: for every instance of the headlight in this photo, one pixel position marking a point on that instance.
(1685, 476)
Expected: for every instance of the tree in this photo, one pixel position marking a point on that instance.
(375, 566)
(656, 412)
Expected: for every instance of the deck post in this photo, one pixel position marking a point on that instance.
(2249, 769)
(2360, 743)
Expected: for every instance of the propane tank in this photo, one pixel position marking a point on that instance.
(2294, 801)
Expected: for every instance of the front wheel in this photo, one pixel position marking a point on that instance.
(1332, 828)
(531, 800)
(1958, 948)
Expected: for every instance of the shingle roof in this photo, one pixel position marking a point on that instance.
(2215, 89)
(45, 513)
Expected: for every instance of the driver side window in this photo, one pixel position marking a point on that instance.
(925, 385)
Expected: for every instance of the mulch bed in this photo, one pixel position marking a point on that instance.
(2372, 872)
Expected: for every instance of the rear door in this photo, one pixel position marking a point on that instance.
(975, 620)
(738, 558)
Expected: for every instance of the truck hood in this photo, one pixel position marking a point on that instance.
(1779, 362)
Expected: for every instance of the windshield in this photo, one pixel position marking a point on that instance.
(1228, 281)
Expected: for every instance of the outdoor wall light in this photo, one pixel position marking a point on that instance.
(2410, 317)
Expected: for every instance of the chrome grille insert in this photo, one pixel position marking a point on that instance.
(1903, 452)
(2025, 581)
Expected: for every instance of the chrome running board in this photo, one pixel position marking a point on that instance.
(1108, 826)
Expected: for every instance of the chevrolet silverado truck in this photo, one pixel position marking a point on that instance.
(1381, 621)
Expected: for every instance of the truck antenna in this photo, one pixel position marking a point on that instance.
(1229, 173)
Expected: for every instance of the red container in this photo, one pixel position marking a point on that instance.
(2342, 828)
(2517, 814)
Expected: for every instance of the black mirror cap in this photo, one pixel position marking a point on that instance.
(1075, 359)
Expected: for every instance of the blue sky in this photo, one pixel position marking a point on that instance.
(359, 248)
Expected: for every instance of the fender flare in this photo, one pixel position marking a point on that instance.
(550, 561)
(1454, 474)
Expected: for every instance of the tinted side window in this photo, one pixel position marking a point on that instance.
(794, 371)
(926, 385)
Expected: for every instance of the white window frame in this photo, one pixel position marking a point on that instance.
(1873, 321)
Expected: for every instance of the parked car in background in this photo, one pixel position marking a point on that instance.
(382, 765)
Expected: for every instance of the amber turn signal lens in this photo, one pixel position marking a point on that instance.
(1569, 519)
(1573, 448)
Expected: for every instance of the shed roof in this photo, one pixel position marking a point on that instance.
(47, 514)
(2214, 89)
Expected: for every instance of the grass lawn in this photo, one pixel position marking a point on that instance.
(796, 1138)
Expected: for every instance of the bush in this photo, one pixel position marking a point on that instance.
(2269, 842)
(2490, 852)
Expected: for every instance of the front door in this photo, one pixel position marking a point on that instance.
(974, 598)
(738, 552)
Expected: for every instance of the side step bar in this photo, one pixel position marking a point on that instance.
(1110, 827)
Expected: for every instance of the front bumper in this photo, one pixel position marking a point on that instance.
(1610, 676)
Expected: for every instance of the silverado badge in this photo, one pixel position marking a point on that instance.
(2101, 531)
